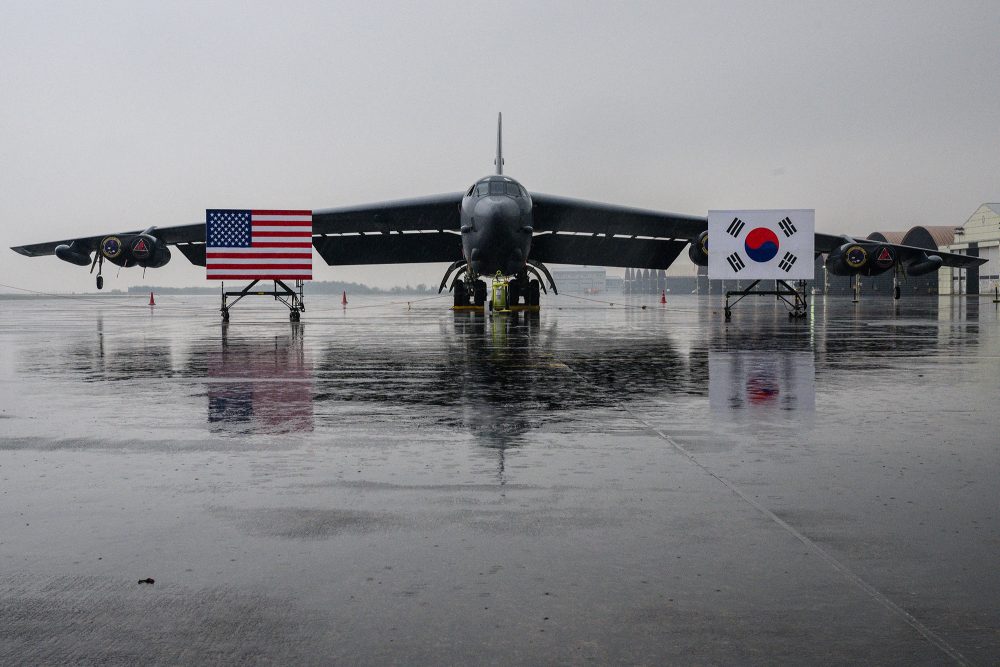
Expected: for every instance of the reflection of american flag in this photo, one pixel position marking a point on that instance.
(252, 245)
(267, 388)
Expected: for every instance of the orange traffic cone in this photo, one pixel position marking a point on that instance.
(152, 301)
(663, 296)
(343, 299)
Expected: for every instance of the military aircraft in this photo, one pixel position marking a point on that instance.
(494, 228)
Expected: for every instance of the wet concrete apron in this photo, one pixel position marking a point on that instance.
(599, 484)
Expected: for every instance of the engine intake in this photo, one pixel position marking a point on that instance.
(143, 250)
(698, 250)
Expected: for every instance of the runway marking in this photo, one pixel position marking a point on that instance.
(873, 592)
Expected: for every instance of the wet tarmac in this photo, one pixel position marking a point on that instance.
(596, 484)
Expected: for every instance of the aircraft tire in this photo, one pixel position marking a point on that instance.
(479, 293)
(461, 295)
(534, 293)
(515, 289)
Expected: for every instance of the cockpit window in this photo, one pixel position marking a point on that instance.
(483, 188)
(513, 190)
(496, 187)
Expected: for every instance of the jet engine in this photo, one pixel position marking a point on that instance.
(143, 250)
(923, 265)
(698, 250)
(867, 259)
(72, 254)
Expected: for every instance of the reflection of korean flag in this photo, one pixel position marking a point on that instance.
(757, 245)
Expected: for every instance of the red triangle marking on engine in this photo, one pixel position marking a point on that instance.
(884, 256)
(140, 246)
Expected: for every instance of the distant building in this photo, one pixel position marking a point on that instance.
(584, 280)
(979, 237)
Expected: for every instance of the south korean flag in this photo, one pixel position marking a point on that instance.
(761, 245)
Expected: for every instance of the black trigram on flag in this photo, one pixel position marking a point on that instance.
(736, 261)
(735, 227)
(788, 260)
(788, 228)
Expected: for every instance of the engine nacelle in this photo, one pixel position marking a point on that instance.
(867, 259)
(698, 250)
(143, 250)
(923, 265)
(70, 253)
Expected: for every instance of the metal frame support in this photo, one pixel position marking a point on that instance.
(292, 298)
(793, 297)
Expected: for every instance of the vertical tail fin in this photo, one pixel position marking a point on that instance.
(499, 161)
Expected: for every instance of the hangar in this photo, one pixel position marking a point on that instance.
(979, 237)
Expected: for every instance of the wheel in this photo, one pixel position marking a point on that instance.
(294, 316)
(513, 292)
(100, 282)
(534, 293)
(895, 292)
(479, 292)
(461, 294)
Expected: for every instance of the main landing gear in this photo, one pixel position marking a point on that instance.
(469, 293)
(520, 292)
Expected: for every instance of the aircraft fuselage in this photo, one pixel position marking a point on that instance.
(496, 226)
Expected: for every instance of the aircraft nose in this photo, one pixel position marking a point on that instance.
(498, 240)
(497, 210)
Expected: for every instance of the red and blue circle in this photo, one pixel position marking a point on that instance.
(761, 244)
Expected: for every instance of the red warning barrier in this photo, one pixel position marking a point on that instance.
(343, 299)
(663, 296)
(152, 301)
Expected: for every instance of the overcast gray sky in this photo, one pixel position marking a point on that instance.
(120, 115)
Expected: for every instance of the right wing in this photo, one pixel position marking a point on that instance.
(424, 229)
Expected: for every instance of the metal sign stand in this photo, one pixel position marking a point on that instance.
(291, 298)
(797, 304)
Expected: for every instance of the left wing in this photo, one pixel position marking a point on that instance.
(575, 231)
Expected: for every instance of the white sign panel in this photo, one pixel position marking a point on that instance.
(761, 245)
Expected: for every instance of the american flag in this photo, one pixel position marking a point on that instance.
(258, 245)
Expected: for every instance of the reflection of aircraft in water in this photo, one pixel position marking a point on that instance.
(258, 385)
(499, 378)
(495, 227)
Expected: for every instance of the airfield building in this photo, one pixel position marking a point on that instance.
(980, 237)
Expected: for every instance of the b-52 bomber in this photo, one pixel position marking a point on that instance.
(494, 228)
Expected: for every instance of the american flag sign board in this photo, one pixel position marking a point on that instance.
(761, 245)
(245, 244)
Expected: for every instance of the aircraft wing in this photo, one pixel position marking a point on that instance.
(424, 229)
(170, 235)
(575, 231)
(905, 254)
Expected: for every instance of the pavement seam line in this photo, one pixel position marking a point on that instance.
(853, 578)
